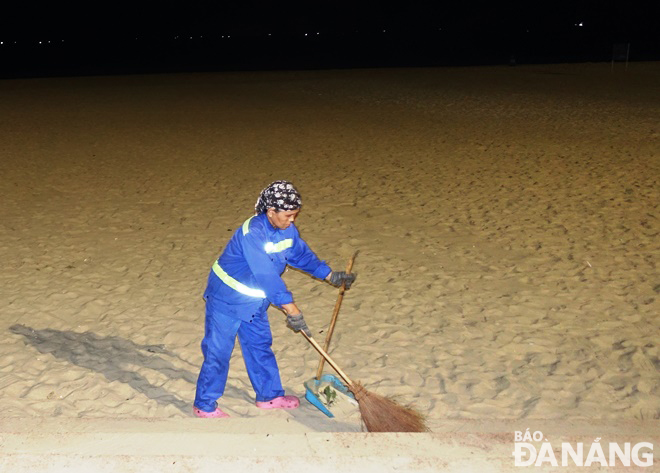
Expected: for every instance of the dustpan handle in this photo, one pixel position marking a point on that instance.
(335, 313)
(327, 358)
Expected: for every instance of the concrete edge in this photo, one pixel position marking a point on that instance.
(196, 445)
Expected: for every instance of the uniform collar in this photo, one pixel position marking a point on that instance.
(269, 225)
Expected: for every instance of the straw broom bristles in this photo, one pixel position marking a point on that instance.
(383, 414)
(379, 414)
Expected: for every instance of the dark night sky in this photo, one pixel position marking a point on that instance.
(531, 29)
(27, 17)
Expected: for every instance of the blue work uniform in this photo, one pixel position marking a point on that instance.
(242, 283)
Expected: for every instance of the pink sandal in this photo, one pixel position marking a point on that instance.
(217, 414)
(281, 402)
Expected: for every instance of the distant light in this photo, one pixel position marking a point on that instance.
(39, 42)
(2, 42)
(384, 31)
(579, 24)
(318, 32)
(305, 34)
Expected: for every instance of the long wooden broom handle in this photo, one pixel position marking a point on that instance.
(316, 345)
(335, 313)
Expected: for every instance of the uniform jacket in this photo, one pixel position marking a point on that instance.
(253, 262)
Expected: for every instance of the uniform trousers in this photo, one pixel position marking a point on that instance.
(255, 338)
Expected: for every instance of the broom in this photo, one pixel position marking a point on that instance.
(335, 313)
(379, 414)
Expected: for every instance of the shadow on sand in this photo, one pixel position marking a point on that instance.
(110, 356)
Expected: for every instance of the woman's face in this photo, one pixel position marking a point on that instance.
(281, 219)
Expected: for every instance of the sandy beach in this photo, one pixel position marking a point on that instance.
(506, 218)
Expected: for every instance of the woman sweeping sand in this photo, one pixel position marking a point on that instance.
(242, 284)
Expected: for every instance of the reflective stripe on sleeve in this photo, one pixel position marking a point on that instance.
(246, 225)
(234, 284)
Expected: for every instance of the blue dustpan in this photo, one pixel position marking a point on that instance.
(312, 388)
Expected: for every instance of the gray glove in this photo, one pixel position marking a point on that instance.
(338, 277)
(297, 323)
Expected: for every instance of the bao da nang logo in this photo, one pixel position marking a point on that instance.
(533, 449)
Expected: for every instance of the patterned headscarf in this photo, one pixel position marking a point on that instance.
(280, 195)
